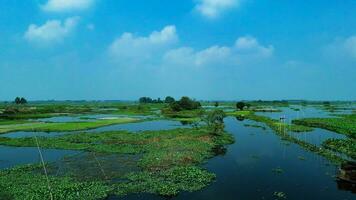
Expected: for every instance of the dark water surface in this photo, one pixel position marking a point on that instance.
(260, 164)
(12, 156)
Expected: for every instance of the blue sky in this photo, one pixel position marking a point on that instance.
(207, 49)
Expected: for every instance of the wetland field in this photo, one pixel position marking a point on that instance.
(182, 149)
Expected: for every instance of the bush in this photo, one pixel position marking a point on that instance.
(240, 105)
(169, 99)
(215, 121)
(185, 103)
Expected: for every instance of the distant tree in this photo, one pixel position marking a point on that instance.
(240, 105)
(185, 103)
(216, 104)
(169, 99)
(17, 100)
(215, 121)
(23, 101)
(159, 100)
(326, 103)
(145, 100)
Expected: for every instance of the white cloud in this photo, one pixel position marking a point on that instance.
(131, 48)
(342, 49)
(51, 31)
(160, 49)
(66, 5)
(245, 50)
(213, 8)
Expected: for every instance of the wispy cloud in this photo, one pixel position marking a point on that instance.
(67, 5)
(51, 31)
(342, 49)
(213, 8)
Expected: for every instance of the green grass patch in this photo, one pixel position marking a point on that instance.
(277, 125)
(345, 146)
(63, 126)
(241, 113)
(345, 124)
(22, 183)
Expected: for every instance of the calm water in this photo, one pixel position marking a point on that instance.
(317, 136)
(246, 171)
(290, 114)
(12, 156)
(81, 118)
(143, 126)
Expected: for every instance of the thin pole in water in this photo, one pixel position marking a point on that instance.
(101, 168)
(44, 167)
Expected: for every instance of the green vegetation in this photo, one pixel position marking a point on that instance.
(184, 110)
(215, 121)
(242, 105)
(274, 124)
(169, 99)
(166, 183)
(141, 109)
(241, 113)
(185, 103)
(149, 100)
(345, 124)
(345, 146)
(280, 195)
(62, 127)
(169, 161)
(278, 170)
(23, 183)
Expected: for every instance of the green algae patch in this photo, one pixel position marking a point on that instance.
(166, 183)
(63, 126)
(345, 146)
(23, 183)
(345, 124)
